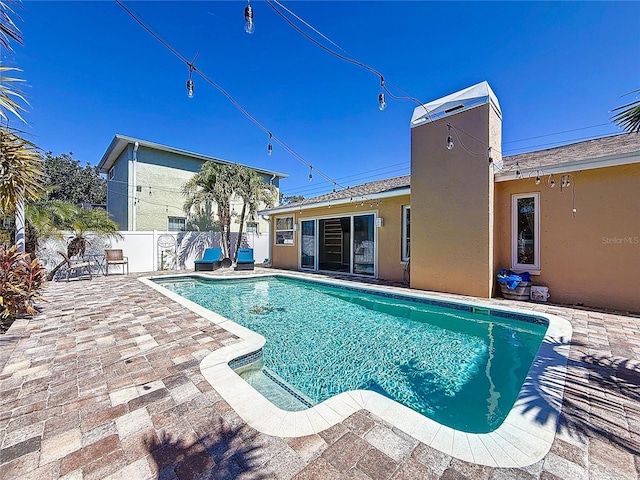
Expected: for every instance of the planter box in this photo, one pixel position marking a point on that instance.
(521, 292)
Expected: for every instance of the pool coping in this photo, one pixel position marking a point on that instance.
(523, 438)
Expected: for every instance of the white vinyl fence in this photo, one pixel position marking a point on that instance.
(151, 251)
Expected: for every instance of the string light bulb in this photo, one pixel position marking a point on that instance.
(382, 104)
(490, 157)
(190, 83)
(538, 179)
(249, 27)
(310, 172)
(449, 138)
(552, 181)
(270, 146)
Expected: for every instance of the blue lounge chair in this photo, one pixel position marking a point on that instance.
(245, 259)
(211, 260)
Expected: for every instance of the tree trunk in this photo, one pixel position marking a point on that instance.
(240, 230)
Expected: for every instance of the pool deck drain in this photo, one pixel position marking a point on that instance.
(105, 383)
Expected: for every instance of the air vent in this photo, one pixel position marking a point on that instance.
(453, 109)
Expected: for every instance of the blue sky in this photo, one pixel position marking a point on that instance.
(92, 72)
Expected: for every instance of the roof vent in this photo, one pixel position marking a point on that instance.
(457, 107)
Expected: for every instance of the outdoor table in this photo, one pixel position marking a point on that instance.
(97, 260)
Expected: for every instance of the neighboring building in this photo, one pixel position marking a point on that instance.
(569, 215)
(144, 182)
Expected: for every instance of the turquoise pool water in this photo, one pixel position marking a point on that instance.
(460, 368)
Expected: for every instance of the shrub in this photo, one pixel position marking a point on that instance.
(21, 280)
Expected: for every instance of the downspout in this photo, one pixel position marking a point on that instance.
(269, 219)
(134, 181)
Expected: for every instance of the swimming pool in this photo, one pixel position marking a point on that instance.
(459, 365)
(524, 437)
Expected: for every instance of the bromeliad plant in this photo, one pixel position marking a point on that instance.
(21, 280)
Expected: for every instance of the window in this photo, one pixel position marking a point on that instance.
(177, 224)
(284, 231)
(406, 232)
(252, 227)
(111, 173)
(525, 231)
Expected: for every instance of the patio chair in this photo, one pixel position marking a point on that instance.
(75, 266)
(245, 259)
(211, 260)
(115, 257)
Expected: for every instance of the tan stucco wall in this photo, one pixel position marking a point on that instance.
(389, 238)
(594, 257)
(284, 256)
(451, 204)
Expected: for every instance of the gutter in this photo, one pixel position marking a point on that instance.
(338, 201)
(134, 181)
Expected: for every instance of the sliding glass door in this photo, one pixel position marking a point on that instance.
(339, 244)
(308, 252)
(363, 245)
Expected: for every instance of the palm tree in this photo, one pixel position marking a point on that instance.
(628, 116)
(9, 32)
(45, 219)
(214, 184)
(20, 171)
(85, 224)
(253, 191)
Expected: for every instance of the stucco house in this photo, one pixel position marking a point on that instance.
(568, 215)
(144, 182)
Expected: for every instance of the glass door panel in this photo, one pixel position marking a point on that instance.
(308, 249)
(363, 245)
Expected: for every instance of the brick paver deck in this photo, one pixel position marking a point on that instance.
(105, 384)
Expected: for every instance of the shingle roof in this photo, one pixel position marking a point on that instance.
(575, 152)
(587, 150)
(366, 189)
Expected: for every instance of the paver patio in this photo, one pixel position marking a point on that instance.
(105, 384)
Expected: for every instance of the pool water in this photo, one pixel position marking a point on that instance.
(460, 368)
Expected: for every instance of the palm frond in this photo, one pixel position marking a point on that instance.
(20, 171)
(628, 116)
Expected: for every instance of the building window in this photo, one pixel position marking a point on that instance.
(525, 231)
(406, 232)
(110, 174)
(177, 224)
(252, 227)
(284, 231)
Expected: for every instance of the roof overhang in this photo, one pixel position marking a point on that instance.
(479, 94)
(578, 165)
(120, 143)
(341, 201)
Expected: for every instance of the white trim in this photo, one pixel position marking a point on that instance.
(536, 232)
(292, 230)
(339, 201)
(578, 165)
(403, 241)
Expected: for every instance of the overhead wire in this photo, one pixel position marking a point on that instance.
(229, 97)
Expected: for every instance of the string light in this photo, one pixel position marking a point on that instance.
(518, 173)
(310, 172)
(190, 82)
(449, 138)
(249, 27)
(490, 157)
(382, 104)
(270, 146)
(552, 181)
(537, 178)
